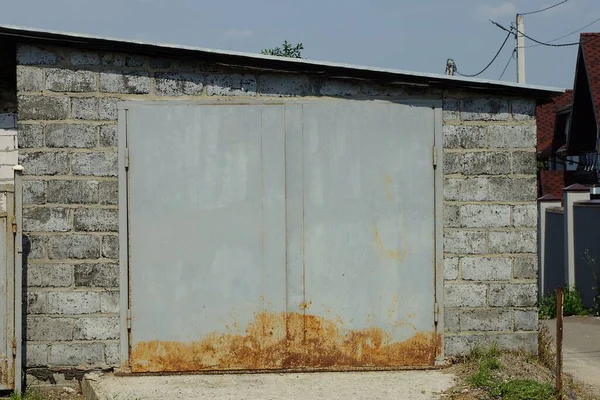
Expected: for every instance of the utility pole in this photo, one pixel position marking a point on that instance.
(520, 49)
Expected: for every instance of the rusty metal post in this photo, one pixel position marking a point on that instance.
(559, 340)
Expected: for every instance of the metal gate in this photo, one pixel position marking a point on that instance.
(278, 236)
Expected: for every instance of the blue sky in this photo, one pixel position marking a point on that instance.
(416, 35)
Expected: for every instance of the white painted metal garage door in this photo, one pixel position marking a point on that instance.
(279, 236)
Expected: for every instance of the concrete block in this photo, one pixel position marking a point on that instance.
(108, 136)
(113, 59)
(42, 219)
(34, 192)
(469, 189)
(384, 90)
(485, 320)
(465, 294)
(513, 295)
(71, 135)
(43, 107)
(34, 55)
(178, 84)
(30, 79)
(283, 85)
(486, 269)
(451, 216)
(486, 163)
(109, 302)
(104, 275)
(66, 80)
(451, 320)
(526, 342)
(465, 242)
(96, 220)
(38, 247)
(110, 246)
(513, 242)
(134, 60)
(230, 85)
(49, 275)
(523, 109)
(159, 63)
(36, 355)
(49, 328)
(526, 320)
(109, 192)
(36, 303)
(484, 215)
(76, 246)
(72, 192)
(525, 267)
(330, 87)
(481, 109)
(95, 164)
(450, 109)
(524, 162)
(453, 163)
(512, 136)
(512, 189)
(45, 163)
(29, 136)
(450, 268)
(112, 352)
(73, 303)
(69, 354)
(525, 215)
(94, 108)
(126, 82)
(98, 328)
(87, 58)
(462, 345)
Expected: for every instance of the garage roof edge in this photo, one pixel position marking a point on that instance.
(251, 60)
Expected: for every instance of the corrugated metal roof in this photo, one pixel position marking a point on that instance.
(252, 60)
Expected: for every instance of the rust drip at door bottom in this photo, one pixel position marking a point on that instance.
(284, 341)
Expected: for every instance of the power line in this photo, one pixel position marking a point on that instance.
(508, 63)
(491, 62)
(540, 42)
(544, 9)
(568, 34)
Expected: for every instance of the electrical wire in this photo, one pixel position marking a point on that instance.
(564, 36)
(491, 62)
(544, 9)
(508, 63)
(542, 43)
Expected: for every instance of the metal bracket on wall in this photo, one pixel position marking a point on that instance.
(435, 157)
(129, 319)
(436, 312)
(126, 157)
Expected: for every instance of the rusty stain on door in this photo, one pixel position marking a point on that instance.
(286, 341)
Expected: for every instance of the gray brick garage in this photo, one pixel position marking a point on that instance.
(66, 97)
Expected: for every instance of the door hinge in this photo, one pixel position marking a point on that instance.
(129, 319)
(14, 347)
(14, 224)
(126, 157)
(435, 156)
(436, 312)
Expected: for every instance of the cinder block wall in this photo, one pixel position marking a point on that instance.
(67, 137)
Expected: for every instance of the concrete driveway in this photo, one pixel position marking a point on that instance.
(381, 385)
(581, 345)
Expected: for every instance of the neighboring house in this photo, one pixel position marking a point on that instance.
(191, 209)
(568, 126)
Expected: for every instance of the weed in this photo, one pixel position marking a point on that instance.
(29, 395)
(526, 389)
(546, 353)
(573, 305)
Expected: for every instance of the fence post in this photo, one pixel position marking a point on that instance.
(544, 203)
(572, 194)
(559, 340)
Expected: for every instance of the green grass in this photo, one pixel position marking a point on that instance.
(486, 378)
(30, 395)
